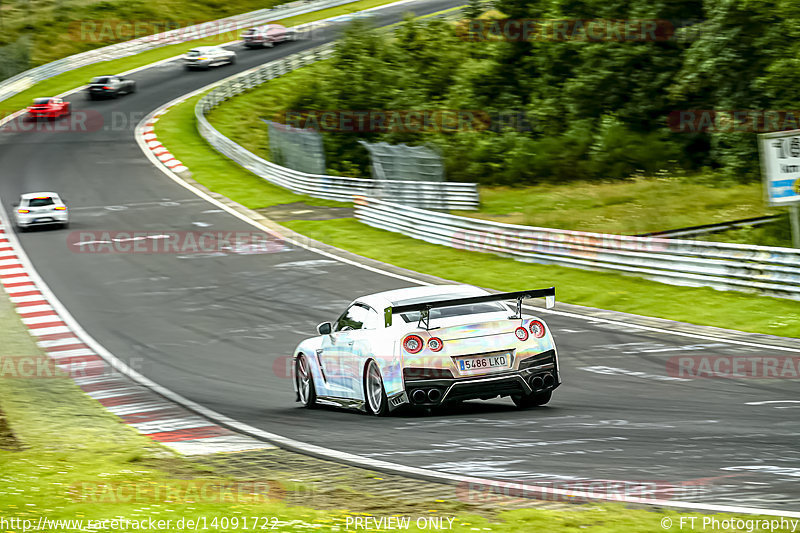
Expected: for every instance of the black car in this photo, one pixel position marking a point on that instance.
(110, 87)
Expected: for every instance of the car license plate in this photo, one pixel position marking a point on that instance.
(43, 220)
(483, 363)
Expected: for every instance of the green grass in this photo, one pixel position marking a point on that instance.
(630, 207)
(68, 451)
(79, 77)
(778, 233)
(59, 28)
(176, 130)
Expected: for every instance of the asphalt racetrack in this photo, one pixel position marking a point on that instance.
(218, 329)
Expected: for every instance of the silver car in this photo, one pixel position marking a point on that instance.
(208, 56)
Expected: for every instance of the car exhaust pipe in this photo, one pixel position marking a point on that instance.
(419, 396)
(537, 382)
(549, 380)
(434, 395)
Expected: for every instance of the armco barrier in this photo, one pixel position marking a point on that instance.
(764, 270)
(427, 194)
(27, 79)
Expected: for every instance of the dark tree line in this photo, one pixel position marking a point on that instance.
(577, 109)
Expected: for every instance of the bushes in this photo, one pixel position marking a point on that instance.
(15, 57)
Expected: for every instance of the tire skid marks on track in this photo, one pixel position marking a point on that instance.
(170, 424)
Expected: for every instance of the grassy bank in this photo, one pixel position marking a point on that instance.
(176, 130)
(640, 205)
(777, 233)
(59, 29)
(78, 77)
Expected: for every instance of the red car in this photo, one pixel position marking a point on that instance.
(48, 108)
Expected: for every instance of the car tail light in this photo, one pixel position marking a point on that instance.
(537, 328)
(413, 344)
(435, 344)
(521, 333)
(23, 211)
(106, 87)
(61, 208)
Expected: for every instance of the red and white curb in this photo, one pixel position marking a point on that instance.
(158, 150)
(136, 405)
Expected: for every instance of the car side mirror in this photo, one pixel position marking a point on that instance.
(325, 328)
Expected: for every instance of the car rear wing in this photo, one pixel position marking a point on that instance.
(424, 308)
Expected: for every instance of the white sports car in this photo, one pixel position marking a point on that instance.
(40, 208)
(428, 346)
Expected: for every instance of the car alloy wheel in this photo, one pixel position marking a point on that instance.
(305, 383)
(377, 404)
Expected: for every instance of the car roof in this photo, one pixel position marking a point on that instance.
(29, 195)
(384, 299)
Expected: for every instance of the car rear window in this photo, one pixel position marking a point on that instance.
(41, 101)
(102, 79)
(40, 202)
(445, 312)
(193, 53)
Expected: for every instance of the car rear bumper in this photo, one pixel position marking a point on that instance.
(541, 376)
(44, 114)
(25, 221)
(196, 64)
(101, 92)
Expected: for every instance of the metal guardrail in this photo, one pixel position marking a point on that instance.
(764, 270)
(27, 79)
(425, 194)
(705, 229)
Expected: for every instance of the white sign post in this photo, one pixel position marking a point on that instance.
(780, 168)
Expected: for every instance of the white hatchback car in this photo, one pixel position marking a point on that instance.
(40, 208)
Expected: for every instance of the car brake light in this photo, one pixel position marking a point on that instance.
(61, 208)
(521, 333)
(435, 344)
(106, 87)
(413, 344)
(537, 328)
(23, 211)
